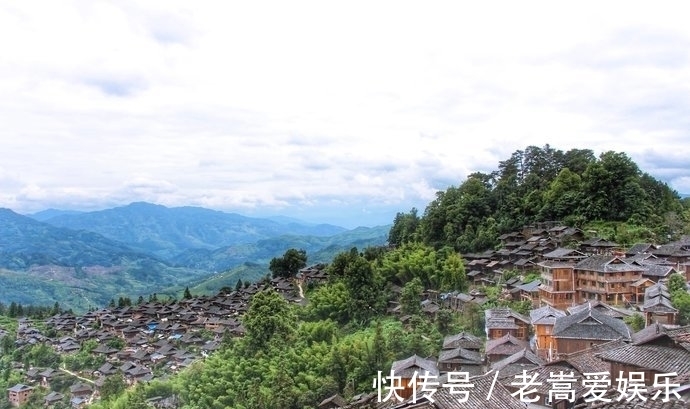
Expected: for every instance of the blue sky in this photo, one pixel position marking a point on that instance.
(331, 112)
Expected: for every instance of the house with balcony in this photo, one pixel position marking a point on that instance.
(607, 278)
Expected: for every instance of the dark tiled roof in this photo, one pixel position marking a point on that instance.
(673, 403)
(506, 345)
(677, 249)
(599, 242)
(544, 374)
(658, 270)
(516, 363)
(335, 399)
(501, 323)
(19, 388)
(462, 340)
(565, 253)
(414, 363)
(640, 248)
(654, 357)
(601, 307)
(591, 324)
(545, 315)
(655, 331)
(460, 354)
(530, 287)
(500, 313)
(606, 264)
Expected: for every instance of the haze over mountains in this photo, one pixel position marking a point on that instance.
(83, 259)
(167, 232)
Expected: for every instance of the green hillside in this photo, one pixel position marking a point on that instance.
(545, 184)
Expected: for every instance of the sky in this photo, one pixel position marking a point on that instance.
(331, 112)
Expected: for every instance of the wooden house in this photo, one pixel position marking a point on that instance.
(565, 255)
(543, 320)
(461, 360)
(81, 390)
(676, 252)
(657, 306)
(529, 292)
(606, 278)
(507, 345)
(557, 287)
(598, 245)
(463, 340)
(564, 235)
(502, 321)
(584, 329)
(407, 368)
(53, 398)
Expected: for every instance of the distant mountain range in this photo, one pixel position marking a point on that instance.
(167, 232)
(84, 259)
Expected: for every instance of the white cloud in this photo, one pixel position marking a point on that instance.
(292, 106)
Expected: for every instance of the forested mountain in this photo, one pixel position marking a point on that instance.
(544, 184)
(41, 263)
(262, 251)
(25, 242)
(167, 232)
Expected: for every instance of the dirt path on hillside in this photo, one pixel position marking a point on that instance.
(76, 376)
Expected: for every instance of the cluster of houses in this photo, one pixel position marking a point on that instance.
(574, 270)
(591, 338)
(153, 339)
(585, 291)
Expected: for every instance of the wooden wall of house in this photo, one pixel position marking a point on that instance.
(543, 336)
(449, 366)
(407, 390)
(617, 368)
(492, 358)
(569, 345)
(523, 331)
(520, 333)
(472, 370)
(668, 318)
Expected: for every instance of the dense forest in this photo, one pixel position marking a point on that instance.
(546, 184)
(294, 356)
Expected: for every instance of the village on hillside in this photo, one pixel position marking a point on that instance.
(140, 343)
(586, 290)
(576, 326)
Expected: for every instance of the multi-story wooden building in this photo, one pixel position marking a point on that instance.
(607, 278)
(557, 287)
